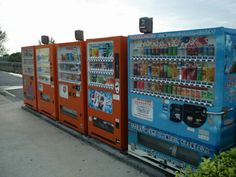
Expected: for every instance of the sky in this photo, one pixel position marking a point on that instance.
(26, 20)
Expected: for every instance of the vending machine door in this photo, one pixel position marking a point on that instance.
(29, 76)
(47, 80)
(107, 90)
(72, 86)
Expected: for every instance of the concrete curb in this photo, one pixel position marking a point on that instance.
(122, 156)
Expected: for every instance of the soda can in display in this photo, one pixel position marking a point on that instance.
(149, 51)
(179, 68)
(153, 87)
(161, 87)
(192, 72)
(150, 69)
(183, 91)
(146, 86)
(169, 89)
(204, 94)
(210, 95)
(198, 94)
(210, 72)
(135, 69)
(199, 72)
(188, 92)
(154, 69)
(204, 72)
(142, 69)
(162, 51)
(135, 84)
(175, 51)
(205, 50)
(169, 70)
(157, 51)
(179, 90)
(138, 85)
(166, 51)
(174, 71)
(145, 50)
(161, 70)
(153, 51)
(174, 89)
(170, 51)
(184, 72)
(200, 50)
(145, 65)
(211, 50)
(193, 93)
(149, 86)
(165, 70)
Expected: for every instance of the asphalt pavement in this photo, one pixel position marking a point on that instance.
(33, 147)
(11, 85)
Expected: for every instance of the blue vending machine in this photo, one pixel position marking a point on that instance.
(182, 96)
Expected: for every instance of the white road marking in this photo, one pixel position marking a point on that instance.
(14, 74)
(13, 87)
(5, 89)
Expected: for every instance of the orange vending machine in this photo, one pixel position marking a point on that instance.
(29, 76)
(47, 80)
(107, 90)
(72, 105)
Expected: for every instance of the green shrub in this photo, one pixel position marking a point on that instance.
(222, 165)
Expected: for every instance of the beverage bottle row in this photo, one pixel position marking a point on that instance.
(175, 70)
(102, 50)
(204, 50)
(100, 65)
(70, 77)
(100, 79)
(173, 89)
(70, 56)
(70, 67)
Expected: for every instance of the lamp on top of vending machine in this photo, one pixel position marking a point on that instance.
(145, 25)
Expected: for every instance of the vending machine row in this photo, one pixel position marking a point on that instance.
(170, 103)
(181, 96)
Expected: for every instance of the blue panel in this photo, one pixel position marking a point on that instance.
(178, 85)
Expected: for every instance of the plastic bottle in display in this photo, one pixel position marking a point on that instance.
(174, 71)
(199, 72)
(184, 72)
(179, 68)
(204, 72)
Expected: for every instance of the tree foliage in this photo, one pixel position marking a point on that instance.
(14, 57)
(3, 37)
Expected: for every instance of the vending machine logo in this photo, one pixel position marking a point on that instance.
(142, 108)
(100, 100)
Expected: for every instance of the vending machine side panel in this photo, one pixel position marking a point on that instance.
(29, 76)
(228, 125)
(72, 85)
